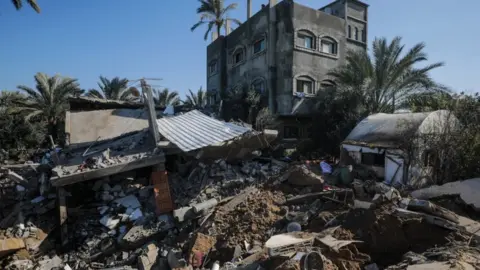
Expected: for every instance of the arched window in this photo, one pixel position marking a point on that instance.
(305, 84)
(305, 39)
(259, 85)
(238, 55)
(356, 33)
(349, 31)
(329, 45)
(327, 84)
(364, 36)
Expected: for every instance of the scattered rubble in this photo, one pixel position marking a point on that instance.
(254, 214)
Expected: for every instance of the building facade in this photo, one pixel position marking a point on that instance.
(285, 51)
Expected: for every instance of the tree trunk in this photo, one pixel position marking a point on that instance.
(219, 28)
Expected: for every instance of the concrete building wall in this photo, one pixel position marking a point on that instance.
(314, 63)
(290, 61)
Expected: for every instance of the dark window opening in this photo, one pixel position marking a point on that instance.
(307, 41)
(212, 67)
(259, 46)
(238, 57)
(329, 46)
(372, 159)
(259, 86)
(356, 33)
(349, 31)
(304, 86)
(364, 36)
(290, 132)
(429, 158)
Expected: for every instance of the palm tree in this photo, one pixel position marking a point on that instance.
(48, 101)
(32, 3)
(164, 97)
(115, 89)
(213, 13)
(196, 100)
(388, 76)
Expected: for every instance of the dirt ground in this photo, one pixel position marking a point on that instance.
(386, 237)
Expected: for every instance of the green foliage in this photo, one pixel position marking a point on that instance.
(115, 89)
(213, 13)
(369, 84)
(16, 134)
(387, 77)
(164, 97)
(48, 101)
(460, 149)
(32, 3)
(196, 100)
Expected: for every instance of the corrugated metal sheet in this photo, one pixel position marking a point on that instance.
(195, 130)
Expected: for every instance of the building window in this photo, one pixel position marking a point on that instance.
(306, 40)
(329, 46)
(349, 31)
(356, 33)
(259, 86)
(212, 99)
(212, 68)
(238, 56)
(429, 158)
(259, 46)
(290, 132)
(305, 85)
(364, 36)
(372, 159)
(327, 84)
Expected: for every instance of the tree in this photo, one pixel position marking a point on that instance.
(386, 77)
(48, 101)
(164, 97)
(115, 89)
(196, 100)
(17, 135)
(32, 3)
(214, 14)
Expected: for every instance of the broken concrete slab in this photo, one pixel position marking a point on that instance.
(140, 234)
(336, 244)
(129, 201)
(10, 245)
(300, 175)
(287, 244)
(468, 191)
(147, 260)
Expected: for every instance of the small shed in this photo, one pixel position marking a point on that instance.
(390, 144)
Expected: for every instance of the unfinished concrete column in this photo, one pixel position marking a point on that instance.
(227, 27)
(214, 35)
(249, 9)
(271, 56)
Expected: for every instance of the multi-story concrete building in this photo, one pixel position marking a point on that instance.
(285, 51)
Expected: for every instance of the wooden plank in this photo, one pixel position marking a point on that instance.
(99, 173)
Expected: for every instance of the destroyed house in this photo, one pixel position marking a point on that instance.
(397, 147)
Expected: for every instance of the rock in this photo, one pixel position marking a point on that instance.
(129, 201)
(109, 222)
(10, 245)
(50, 264)
(148, 259)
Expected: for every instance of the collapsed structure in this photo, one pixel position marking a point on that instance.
(202, 195)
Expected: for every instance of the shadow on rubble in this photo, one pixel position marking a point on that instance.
(386, 237)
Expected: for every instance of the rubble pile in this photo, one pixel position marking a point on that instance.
(237, 216)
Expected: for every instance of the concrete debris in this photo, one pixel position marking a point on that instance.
(254, 214)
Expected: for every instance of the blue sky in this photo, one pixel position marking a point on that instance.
(88, 38)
